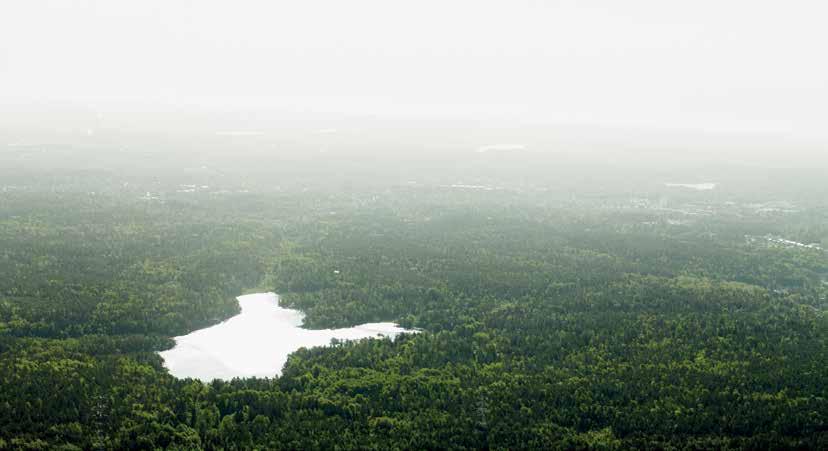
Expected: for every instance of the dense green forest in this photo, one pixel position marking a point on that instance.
(653, 318)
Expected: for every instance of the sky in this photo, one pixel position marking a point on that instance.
(733, 65)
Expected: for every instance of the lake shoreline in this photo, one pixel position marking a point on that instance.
(257, 341)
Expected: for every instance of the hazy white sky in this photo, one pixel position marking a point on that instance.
(723, 64)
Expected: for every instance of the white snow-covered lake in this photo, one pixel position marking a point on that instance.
(256, 342)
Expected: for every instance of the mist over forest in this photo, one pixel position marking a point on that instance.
(368, 225)
(571, 287)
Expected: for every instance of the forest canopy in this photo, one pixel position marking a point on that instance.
(586, 322)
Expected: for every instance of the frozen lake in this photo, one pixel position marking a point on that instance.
(256, 342)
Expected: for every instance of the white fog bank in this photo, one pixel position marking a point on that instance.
(256, 342)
